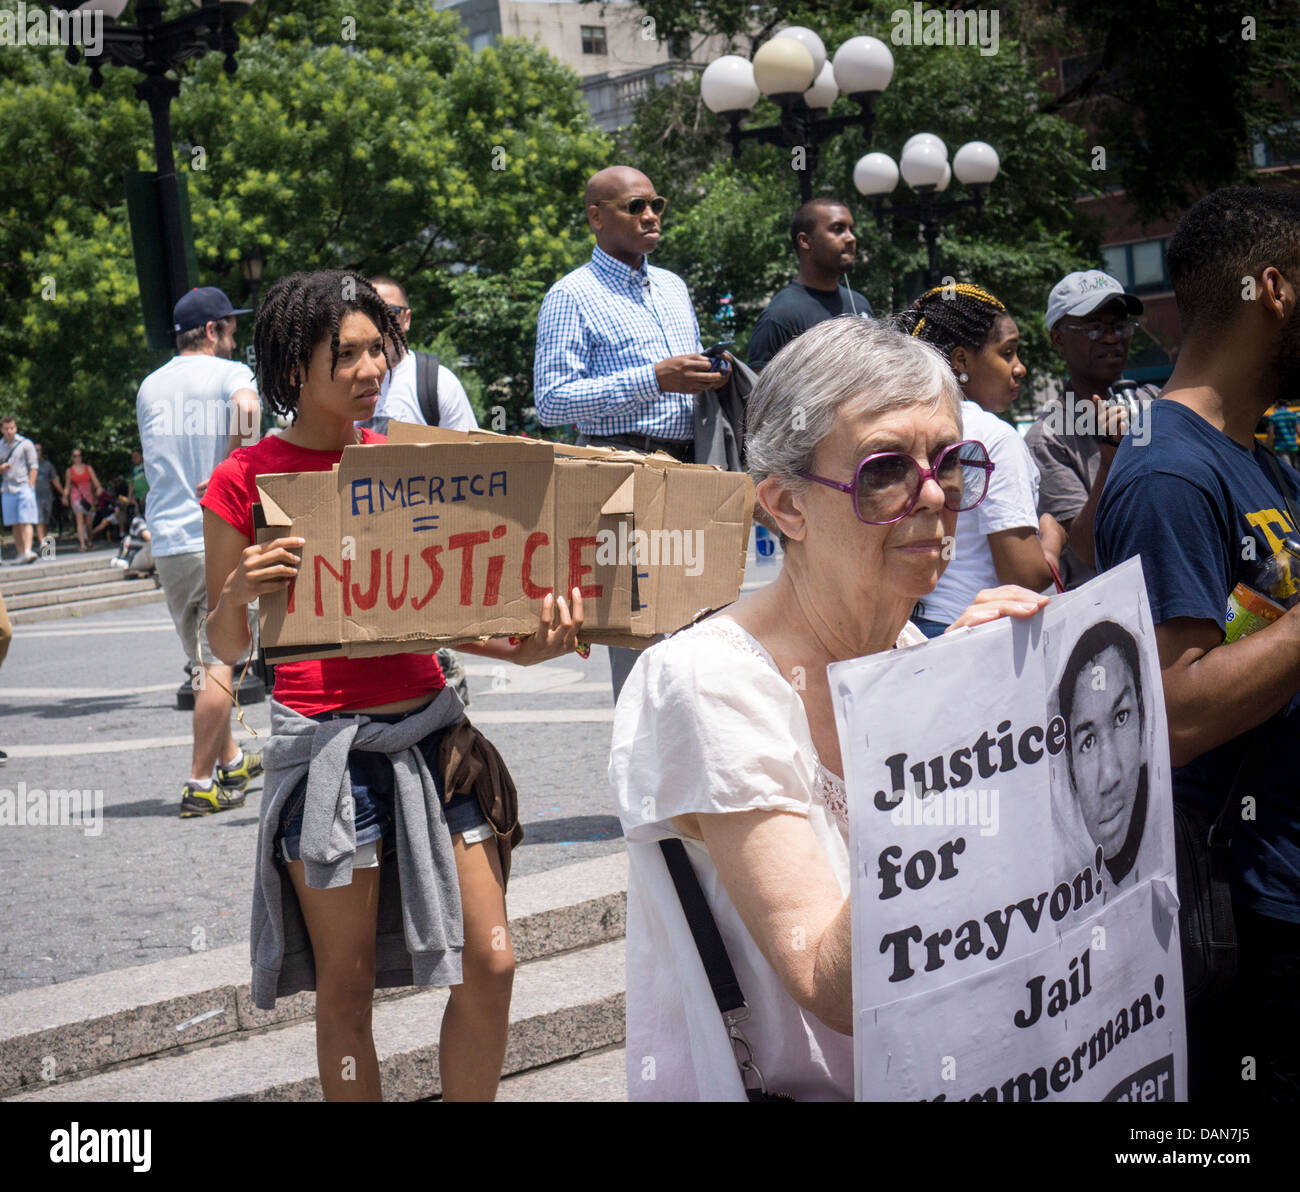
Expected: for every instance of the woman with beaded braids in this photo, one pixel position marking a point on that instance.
(354, 790)
(998, 541)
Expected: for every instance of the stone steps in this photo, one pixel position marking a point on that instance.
(562, 1006)
(145, 593)
(68, 561)
(596, 1076)
(55, 581)
(75, 585)
(99, 589)
(188, 1025)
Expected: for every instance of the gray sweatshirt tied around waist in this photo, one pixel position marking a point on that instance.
(419, 931)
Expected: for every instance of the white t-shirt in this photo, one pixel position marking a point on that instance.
(399, 401)
(706, 723)
(186, 419)
(1011, 503)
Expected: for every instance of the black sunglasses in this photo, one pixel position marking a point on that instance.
(635, 206)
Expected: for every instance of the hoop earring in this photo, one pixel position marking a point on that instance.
(963, 378)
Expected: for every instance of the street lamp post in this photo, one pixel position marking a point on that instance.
(154, 47)
(925, 168)
(251, 265)
(793, 71)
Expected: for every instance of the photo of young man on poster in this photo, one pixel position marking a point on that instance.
(1100, 784)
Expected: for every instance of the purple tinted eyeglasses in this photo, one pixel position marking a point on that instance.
(888, 484)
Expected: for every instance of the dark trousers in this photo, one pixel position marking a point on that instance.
(621, 659)
(1245, 1048)
(679, 449)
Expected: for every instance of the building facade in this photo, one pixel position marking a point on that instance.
(1133, 252)
(612, 46)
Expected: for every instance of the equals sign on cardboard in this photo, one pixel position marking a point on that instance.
(428, 522)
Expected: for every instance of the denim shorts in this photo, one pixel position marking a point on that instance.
(371, 775)
(928, 627)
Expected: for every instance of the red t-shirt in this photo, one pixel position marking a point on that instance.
(326, 684)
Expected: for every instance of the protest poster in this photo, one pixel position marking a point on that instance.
(1014, 906)
(437, 537)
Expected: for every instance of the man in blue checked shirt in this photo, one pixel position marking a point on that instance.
(618, 347)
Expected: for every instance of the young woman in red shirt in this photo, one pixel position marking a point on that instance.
(323, 343)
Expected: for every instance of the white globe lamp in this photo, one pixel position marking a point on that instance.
(875, 174)
(823, 92)
(727, 84)
(863, 64)
(922, 164)
(976, 163)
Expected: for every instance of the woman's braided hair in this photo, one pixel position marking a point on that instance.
(952, 316)
(299, 312)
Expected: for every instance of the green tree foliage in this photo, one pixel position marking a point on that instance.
(359, 135)
(728, 227)
(1177, 89)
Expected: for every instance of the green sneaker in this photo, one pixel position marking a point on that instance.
(235, 779)
(197, 801)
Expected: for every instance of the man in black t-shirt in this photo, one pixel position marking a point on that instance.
(822, 234)
(1199, 501)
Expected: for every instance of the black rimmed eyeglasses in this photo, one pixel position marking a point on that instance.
(888, 484)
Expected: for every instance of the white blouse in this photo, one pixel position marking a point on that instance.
(706, 724)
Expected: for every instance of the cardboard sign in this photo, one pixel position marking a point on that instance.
(440, 536)
(1015, 915)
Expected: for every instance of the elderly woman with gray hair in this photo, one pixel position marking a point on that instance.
(724, 736)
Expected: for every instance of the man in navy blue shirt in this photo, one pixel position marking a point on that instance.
(1200, 504)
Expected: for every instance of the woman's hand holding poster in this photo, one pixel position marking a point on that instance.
(1015, 926)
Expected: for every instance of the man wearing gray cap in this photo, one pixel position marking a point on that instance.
(193, 412)
(1090, 318)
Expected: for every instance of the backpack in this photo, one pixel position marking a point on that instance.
(426, 387)
(426, 394)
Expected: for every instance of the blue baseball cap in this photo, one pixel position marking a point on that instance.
(203, 304)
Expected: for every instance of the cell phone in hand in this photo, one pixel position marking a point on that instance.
(715, 354)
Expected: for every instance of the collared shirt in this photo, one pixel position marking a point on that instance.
(601, 331)
(1063, 441)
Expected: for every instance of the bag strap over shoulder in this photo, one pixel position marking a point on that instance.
(717, 964)
(426, 387)
(708, 939)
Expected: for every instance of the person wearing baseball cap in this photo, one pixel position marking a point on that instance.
(192, 412)
(1090, 320)
(201, 306)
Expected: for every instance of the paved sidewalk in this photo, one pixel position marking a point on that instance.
(89, 703)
